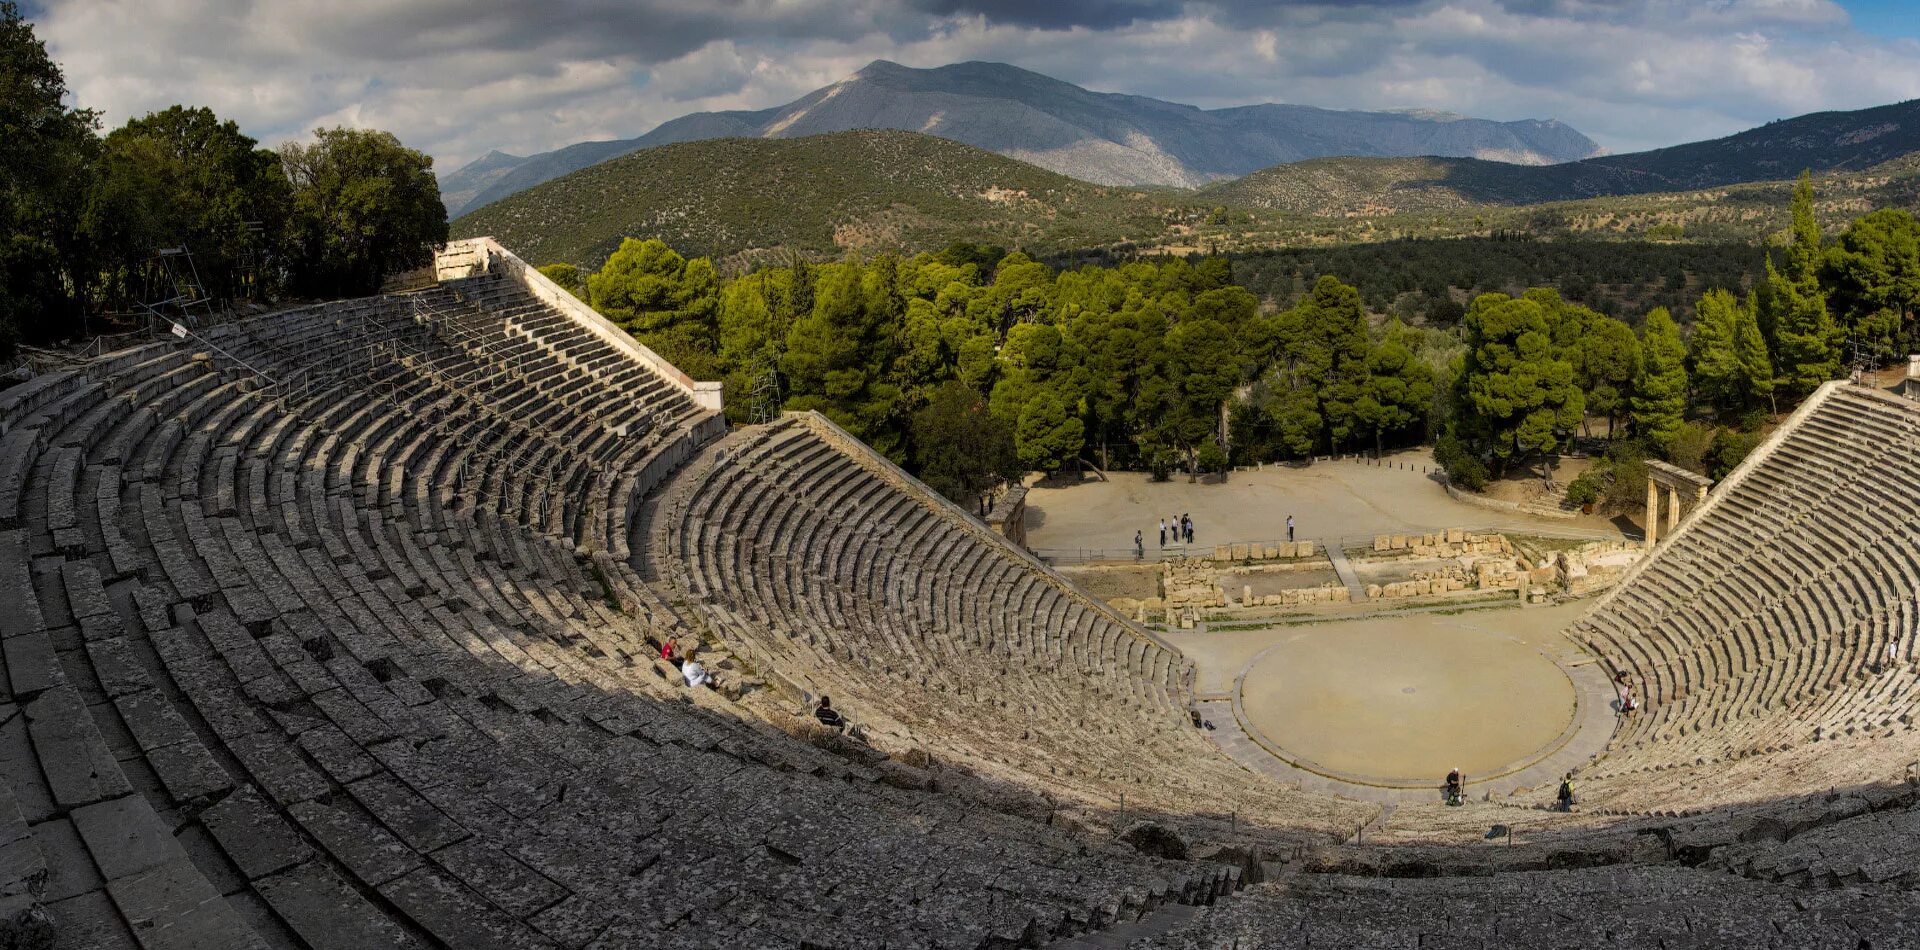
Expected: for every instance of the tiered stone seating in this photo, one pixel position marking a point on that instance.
(1603, 907)
(1762, 626)
(339, 627)
(819, 562)
(343, 661)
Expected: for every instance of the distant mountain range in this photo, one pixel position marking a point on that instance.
(1097, 137)
(1819, 142)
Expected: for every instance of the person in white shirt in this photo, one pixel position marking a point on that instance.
(696, 674)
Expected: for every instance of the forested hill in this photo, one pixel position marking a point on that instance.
(1820, 142)
(821, 195)
(1099, 137)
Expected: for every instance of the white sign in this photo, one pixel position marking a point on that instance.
(179, 331)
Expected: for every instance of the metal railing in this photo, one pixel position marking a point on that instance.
(272, 387)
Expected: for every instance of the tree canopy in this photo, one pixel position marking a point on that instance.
(365, 206)
(46, 151)
(1517, 395)
(84, 220)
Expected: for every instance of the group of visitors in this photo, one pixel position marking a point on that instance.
(1182, 530)
(1623, 684)
(697, 675)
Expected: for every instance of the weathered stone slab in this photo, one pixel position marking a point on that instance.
(70, 871)
(251, 833)
(371, 852)
(414, 819)
(172, 907)
(125, 837)
(509, 884)
(457, 916)
(279, 771)
(116, 666)
(325, 912)
(79, 767)
(32, 667)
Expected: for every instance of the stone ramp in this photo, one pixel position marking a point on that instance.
(1356, 591)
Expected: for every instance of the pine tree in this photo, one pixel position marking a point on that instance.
(1718, 372)
(1804, 337)
(1750, 346)
(1660, 391)
(1606, 360)
(1805, 340)
(1516, 396)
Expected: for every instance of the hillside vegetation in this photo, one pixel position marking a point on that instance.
(817, 196)
(1361, 200)
(744, 201)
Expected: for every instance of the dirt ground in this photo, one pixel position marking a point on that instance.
(1406, 699)
(1401, 694)
(1328, 501)
(1108, 583)
(1273, 582)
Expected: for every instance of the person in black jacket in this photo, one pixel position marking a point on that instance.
(829, 716)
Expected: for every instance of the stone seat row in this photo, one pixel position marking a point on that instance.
(1634, 906)
(811, 559)
(312, 704)
(1764, 625)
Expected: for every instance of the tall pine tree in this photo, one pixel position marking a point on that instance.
(1750, 345)
(1516, 396)
(1806, 343)
(1660, 392)
(1717, 371)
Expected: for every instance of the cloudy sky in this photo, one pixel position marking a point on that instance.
(460, 77)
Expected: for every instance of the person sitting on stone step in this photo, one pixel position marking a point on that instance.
(829, 716)
(696, 675)
(1456, 788)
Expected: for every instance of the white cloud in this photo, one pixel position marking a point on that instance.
(459, 78)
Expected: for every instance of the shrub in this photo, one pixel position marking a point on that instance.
(1730, 448)
(1628, 490)
(1161, 465)
(1463, 468)
(1690, 446)
(1212, 457)
(1586, 489)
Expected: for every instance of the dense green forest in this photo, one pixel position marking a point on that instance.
(1174, 363)
(85, 219)
(1433, 279)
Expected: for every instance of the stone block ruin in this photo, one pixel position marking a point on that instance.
(1457, 561)
(342, 627)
